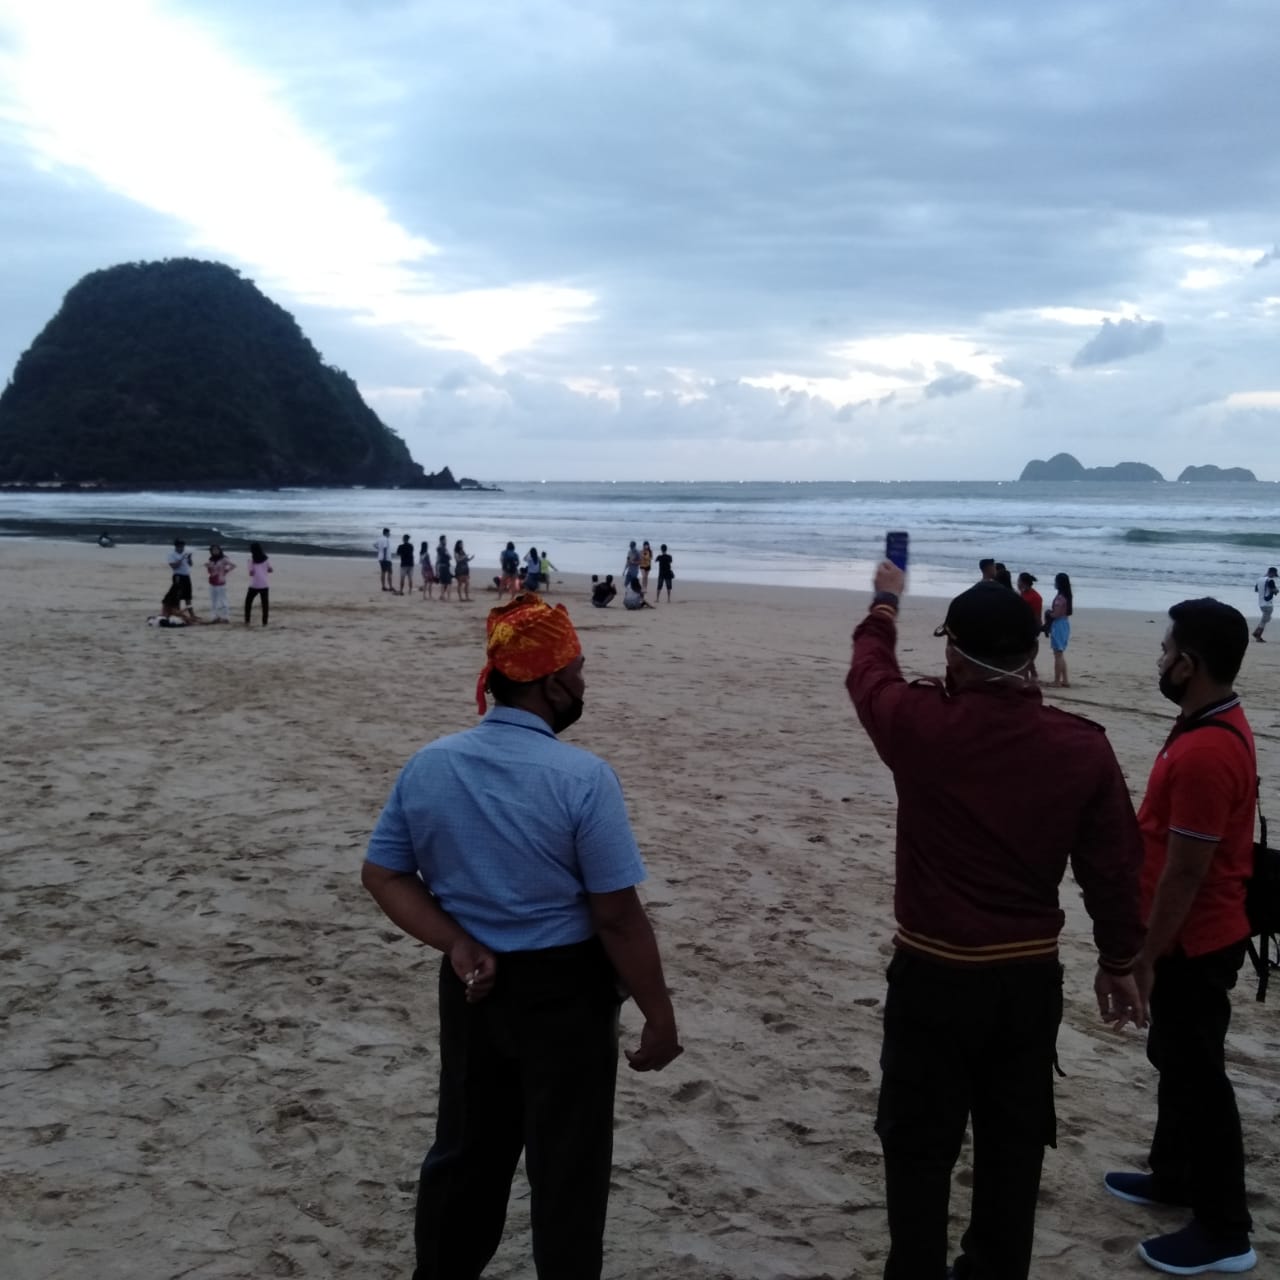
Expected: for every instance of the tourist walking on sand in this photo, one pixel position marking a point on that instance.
(218, 566)
(1058, 621)
(666, 574)
(259, 568)
(1197, 829)
(462, 570)
(382, 549)
(405, 553)
(444, 567)
(646, 563)
(1267, 588)
(536, 912)
(180, 569)
(426, 571)
(975, 985)
(545, 570)
(509, 563)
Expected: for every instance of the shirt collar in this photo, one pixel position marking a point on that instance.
(522, 719)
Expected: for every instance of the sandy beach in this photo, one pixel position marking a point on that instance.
(219, 1058)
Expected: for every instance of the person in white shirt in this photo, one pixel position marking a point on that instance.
(382, 549)
(1267, 588)
(180, 568)
(634, 596)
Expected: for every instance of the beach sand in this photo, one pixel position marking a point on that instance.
(219, 1058)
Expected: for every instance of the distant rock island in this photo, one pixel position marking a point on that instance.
(1216, 475)
(183, 374)
(1062, 466)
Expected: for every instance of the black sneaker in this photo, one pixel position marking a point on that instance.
(1193, 1252)
(1140, 1188)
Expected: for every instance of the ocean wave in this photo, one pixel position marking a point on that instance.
(1222, 537)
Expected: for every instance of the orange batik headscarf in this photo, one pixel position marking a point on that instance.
(527, 639)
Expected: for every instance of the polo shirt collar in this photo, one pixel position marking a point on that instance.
(523, 719)
(1216, 709)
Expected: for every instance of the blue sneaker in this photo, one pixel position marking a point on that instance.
(1193, 1252)
(1140, 1188)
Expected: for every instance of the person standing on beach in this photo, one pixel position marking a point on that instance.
(426, 574)
(180, 570)
(218, 567)
(259, 568)
(382, 549)
(975, 986)
(534, 905)
(666, 575)
(462, 570)
(444, 569)
(1035, 602)
(532, 570)
(545, 570)
(1058, 620)
(987, 568)
(646, 563)
(1267, 588)
(631, 567)
(1197, 829)
(509, 563)
(1002, 576)
(405, 552)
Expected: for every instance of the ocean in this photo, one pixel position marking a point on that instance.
(1125, 546)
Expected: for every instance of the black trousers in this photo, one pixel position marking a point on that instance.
(1197, 1154)
(960, 1044)
(183, 582)
(532, 1066)
(265, 593)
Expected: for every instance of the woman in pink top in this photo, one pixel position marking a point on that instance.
(259, 567)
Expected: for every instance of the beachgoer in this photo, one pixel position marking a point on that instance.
(509, 563)
(545, 570)
(1002, 576)
(975, 985)
(105, 539)
(444, 566)
(666, 574)
(646, 563)
(217, 567)
(603, 592)
(405, 554)
(633, 596)
(1035, 602)
(1267, 588)
(532, 570)
(1058, 623)
(382, 549)
(426, 571)
(462, 570)
(173, 612)
(631, 566)
(533, 903)
(259, 567)
(180, 569)
(1197, 828)
(987, 568)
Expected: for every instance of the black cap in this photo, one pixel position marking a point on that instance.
(990, 621)
(1271, 573)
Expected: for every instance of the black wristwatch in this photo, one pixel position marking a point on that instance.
(885, 597)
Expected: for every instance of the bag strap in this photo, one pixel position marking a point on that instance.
(1213, 722)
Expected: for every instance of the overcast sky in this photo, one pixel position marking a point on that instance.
(693, 238)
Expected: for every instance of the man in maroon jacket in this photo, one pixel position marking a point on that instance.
(996, 794)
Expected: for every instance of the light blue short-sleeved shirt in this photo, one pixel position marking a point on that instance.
(510, 829)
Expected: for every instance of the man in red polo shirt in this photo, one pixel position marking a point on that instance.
(1197, 828)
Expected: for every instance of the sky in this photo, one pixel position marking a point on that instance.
(693, 239)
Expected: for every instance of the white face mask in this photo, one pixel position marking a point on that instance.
(1021, 673)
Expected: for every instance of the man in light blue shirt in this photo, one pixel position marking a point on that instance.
(511, 852)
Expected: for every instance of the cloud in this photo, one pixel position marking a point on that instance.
(1271, 255)
(951, 384)
(1119, 340)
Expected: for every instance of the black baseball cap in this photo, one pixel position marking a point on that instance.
(990, 621)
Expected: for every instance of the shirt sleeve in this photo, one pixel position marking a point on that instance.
(391, 844)
(608, 856)
(1204, 786)
(1107, 861)
(875, 680)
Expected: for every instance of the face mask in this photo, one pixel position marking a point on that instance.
(1174, 692)
(563, 717)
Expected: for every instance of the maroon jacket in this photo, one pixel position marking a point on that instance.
(996, 792)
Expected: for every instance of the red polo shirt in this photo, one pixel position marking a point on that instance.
(1204, 785)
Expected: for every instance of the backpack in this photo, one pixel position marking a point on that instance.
(510, 562)
(1262, 890)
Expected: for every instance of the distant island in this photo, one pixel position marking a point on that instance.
(1062, 466)
(1216, 475)
(182, 374)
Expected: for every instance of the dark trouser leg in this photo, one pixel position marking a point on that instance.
(466, 1177)
(923, 1109)
(1198, 1150)
(1013, 1122)
(266, 604)
(248, 604)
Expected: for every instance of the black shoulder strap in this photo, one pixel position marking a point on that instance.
(1212, 722)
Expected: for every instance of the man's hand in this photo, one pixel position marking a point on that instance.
(890, 578)
(475, 965)
(659, 1046)
(1120, 1000)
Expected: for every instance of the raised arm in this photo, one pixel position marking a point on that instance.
(875, 680)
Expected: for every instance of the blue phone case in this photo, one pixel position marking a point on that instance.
(895, 548)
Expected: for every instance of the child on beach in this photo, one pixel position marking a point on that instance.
(217, 567)
(1059, 622)
(545, 570)
(259, 567)
(462, 570)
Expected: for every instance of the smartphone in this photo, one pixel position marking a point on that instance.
(895, 548)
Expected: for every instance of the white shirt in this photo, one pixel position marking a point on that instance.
(382, 548)
(178, 563)
(1261, 588)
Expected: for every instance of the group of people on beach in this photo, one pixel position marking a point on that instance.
(636, 567)
(437, 568)
(177, 609)
(542, 934)
(1053, 622)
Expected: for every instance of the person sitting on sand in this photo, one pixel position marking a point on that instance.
(602, 592)
(174, 611)
(105, 539)
(633, 598)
